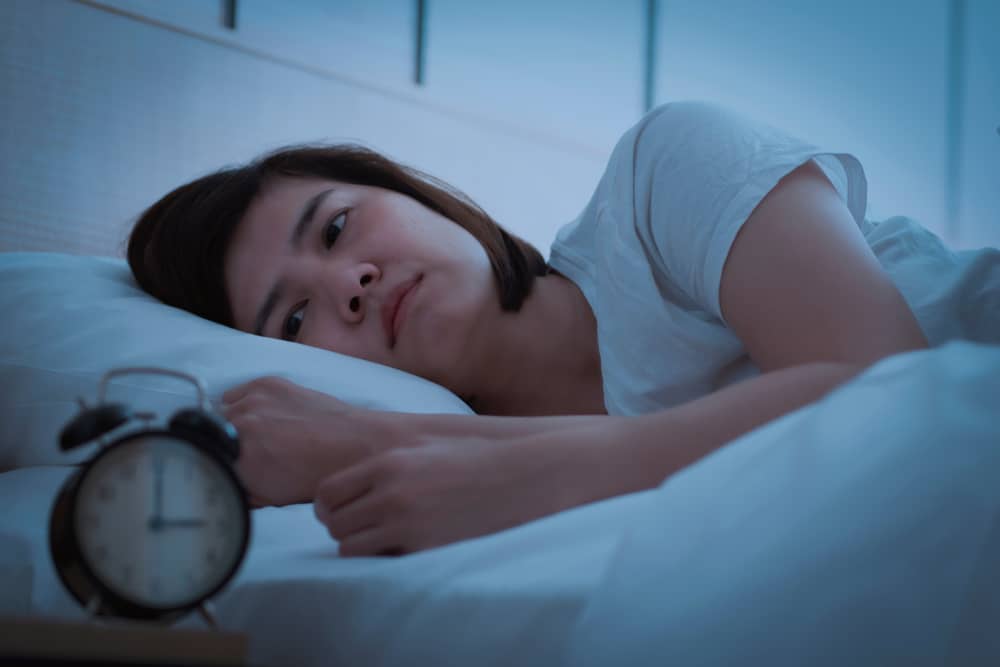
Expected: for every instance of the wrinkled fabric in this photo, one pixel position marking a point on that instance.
(649, 248)
(862, 529)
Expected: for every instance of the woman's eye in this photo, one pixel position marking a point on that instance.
(332, 229)
(294, 322)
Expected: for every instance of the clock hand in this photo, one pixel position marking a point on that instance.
(156, 521)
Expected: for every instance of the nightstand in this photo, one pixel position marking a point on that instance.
(51, 642)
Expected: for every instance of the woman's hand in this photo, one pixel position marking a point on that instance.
(409, 499)
(291, 437)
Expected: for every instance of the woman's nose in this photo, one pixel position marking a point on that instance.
(357, 294)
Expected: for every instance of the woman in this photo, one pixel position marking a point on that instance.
(719, 278)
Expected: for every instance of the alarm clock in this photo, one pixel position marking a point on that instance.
(156, 522)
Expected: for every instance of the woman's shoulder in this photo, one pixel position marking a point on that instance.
(687, 113)
(701, 128)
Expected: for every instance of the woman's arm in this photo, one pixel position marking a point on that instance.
(293, 437)
(468, 481)
(636, 453)
(801, 284)
(618, 455)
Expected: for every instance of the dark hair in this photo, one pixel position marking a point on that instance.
(177, 247)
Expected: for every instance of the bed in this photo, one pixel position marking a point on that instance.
(865, 527)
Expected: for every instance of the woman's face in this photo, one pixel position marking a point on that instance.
(322, 262)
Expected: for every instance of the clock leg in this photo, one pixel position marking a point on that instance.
(207, 613)
(92, 609)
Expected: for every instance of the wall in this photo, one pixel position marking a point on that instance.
(911, 88)
(975, 137)
(105, 112)
(108, 104)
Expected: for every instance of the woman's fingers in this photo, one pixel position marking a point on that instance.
(235, 394)
(353, 517)
(375, 541)
(344, 486)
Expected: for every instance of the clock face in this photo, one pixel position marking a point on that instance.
(160, 522)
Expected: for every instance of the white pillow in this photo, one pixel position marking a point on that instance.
(71, 318)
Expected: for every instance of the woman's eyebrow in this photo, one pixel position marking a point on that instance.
(306, 216)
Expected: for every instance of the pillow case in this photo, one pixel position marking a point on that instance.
(71, 318)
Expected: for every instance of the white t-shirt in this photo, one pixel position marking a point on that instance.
(649, 248)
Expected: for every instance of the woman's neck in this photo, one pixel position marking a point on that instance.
(547, 360)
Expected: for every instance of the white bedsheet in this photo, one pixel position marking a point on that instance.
(508, 598)
(865, 528)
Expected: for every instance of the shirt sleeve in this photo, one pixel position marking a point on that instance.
(699, 170)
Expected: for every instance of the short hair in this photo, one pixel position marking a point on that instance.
(177, 247)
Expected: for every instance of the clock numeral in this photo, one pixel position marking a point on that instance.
(128, 472)
(189, 471)
(127, 574)
(91, 521)
(211, 556)
(212, 496)
(101, 552)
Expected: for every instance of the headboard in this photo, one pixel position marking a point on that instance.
(105, 112)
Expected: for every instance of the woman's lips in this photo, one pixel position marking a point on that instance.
(393, 311)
